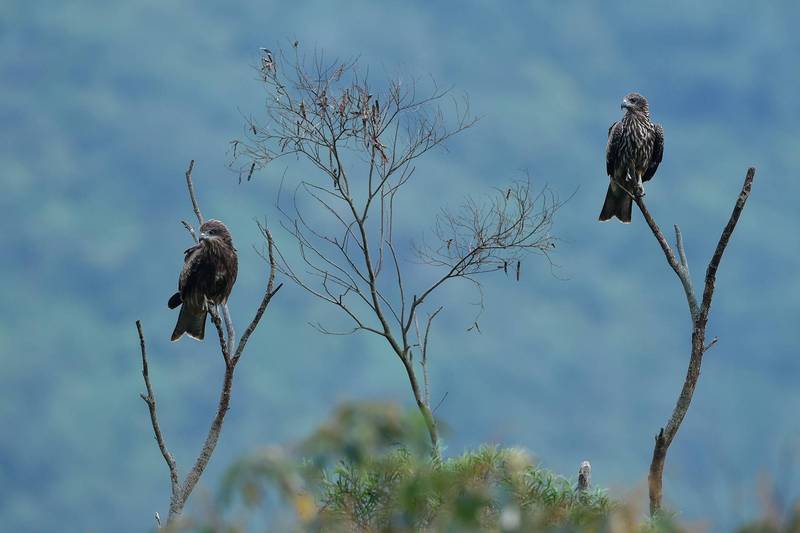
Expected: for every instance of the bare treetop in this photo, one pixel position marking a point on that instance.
(328, 111)
(363, 142)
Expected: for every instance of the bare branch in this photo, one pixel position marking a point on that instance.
(364, 141)
(685, 276)
(230, 366)
(192, 196)
(190, 229)
(211, 438)
(584, 477)
(481, 238)
(270, 291)
(491, 234)
(438, 405)
(680, 270)
(699, 322)
(150, 400)
(710, 345)
(226, 318)
(223, 344)
(424, 350)
(681, 250)
(225, 333)
(713, 265)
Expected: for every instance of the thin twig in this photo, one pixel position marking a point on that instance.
(223, 343)
(686, 276)
(226, 318)
(150, 400)
(424, 349)
(444, 397)
(680, 271)
(190, 187)
(270, 291)
(710, 345)
(190, 229)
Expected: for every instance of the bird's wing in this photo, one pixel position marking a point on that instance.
(226, 272)
(658, 153)
(612, 148)
(189, 251)
(191, 265)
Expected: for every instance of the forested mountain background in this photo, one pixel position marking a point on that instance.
(103, 104)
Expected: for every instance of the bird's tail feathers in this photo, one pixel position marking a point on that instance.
(174, 300)
(618, 204)
(192, 324)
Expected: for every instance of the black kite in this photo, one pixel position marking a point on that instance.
(209, 272)
(634, 150)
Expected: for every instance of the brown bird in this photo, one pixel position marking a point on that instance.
(209, 272)
(634, 150)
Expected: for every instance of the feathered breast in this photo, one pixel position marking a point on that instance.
(636, 143)
(209, 273)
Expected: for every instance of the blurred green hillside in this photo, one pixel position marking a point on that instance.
(102, 105)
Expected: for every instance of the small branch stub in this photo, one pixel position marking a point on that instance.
(584, 476)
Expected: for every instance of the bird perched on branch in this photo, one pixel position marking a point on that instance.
(209, 272)
(634, 150)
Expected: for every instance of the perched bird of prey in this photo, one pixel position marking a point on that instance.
(634, 150)
(209, 272)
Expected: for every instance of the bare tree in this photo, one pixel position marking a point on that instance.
(699, 315)
(231, 355)
(362, 144)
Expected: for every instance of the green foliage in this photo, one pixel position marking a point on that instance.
(490, 489)
(352, 475)
(359, 431)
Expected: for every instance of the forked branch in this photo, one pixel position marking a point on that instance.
(180, 491)
(699, 316)
(365, 141)
(150, 400)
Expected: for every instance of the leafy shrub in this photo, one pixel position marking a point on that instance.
(369, 469)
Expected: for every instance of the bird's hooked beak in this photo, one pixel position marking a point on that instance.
(626, 104)
(203, 237)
